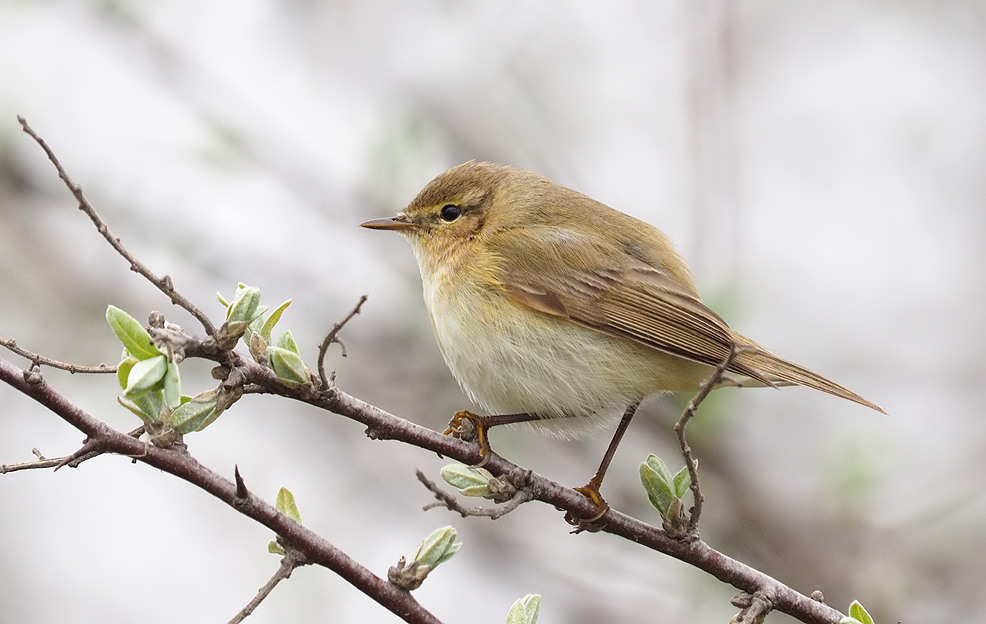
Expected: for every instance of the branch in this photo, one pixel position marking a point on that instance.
(175, 461)
(162, 283)
(41, 360)
(289, 562)
(245, 373)
(333, 337)
(69, 460)
(686, 450)
(511, 496)
(382, 425)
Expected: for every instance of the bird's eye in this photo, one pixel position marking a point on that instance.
(450, 212)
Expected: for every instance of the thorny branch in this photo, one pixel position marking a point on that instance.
(380, 425)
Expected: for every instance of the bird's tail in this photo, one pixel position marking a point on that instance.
(782, 372)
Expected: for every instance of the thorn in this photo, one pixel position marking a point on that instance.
(241, 488)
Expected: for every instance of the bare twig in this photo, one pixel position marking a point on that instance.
(162, 283)
(46, 361)
(686, 450)
(291, 560)
(333, 337)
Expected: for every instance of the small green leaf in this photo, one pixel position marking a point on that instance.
(274, 548)
(148, 419)
(123, 371)
(682, 481)
(131, 333)
(152, 404)
(437, 548)
(286, 505)
(289, 367)
(245, 306)
(657, 464)
(286, 341)
(253, 332)
(272, 320)
(172, 386)
(857, 612)
(469, 480)
(144, 375)
(657, 482)
(525, 610)
(196, 414)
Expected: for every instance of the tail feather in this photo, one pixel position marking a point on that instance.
(773, 367)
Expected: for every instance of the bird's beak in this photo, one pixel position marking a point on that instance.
(398, 223)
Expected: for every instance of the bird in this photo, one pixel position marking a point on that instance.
(552, 308)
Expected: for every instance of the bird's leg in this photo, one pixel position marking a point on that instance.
(591, 489)
(473, 428)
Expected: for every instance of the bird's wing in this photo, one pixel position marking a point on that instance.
(627, 298)
(642, 301)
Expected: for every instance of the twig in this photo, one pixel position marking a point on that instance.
(380, 425)
(162, 283)
(333, 337)
(182, 465)
(753, 607)
(520, 496)
(46, 361)
(291, 560)
(686, 450)
(44, 462)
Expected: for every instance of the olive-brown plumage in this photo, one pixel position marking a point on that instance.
(547, 302)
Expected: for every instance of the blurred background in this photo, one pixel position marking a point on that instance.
(820, 164)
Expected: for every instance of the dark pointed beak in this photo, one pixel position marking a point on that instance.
(398, 223)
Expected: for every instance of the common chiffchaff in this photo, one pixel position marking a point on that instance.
(550, 304)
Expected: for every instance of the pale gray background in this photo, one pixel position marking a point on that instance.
(821, 164)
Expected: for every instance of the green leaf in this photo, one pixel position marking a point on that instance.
(288, 366)
(152, 404)
(274, 548)
(196, 414)
(123, 371)
(145, 375)
(469, 480)
(272, 320)
(131, 333)
(657, 482)
(148, 419)
(857, 612)
(286, 505)
(172, 386)
(286, 341)
(525, 610)
(657, 464)
(253, 330)
(438, 547)
(682, 481)
(245, 306)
